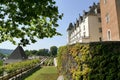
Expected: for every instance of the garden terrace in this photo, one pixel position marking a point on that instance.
(14, 69)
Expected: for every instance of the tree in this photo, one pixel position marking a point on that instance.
(43, 52)
(53, 50)
(28, 19)
(28, 53)
(2, 55)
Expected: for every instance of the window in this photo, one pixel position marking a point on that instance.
(100, 30)
(96, 11)
(84, 27)
(99, 19)
(109, 34)
(79, 30)
(84, 34)
(80, 34)
(107, 18)
(100, 38)
(105, 1)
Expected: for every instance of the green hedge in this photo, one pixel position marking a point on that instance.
(90, 61)
(11, 68)
(20, 65)
(1, 70)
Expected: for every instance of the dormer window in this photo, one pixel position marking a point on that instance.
(96, 11)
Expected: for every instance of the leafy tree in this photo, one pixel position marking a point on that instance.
(53, 50)
(34, 52)
(28, 19)
(43, 52)
(28, 53)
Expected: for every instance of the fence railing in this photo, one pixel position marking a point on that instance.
(22, 73)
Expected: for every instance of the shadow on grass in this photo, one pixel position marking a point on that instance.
(52, 76)
(45, 73)
(29, 73)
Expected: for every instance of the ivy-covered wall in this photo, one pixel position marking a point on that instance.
(90, 61)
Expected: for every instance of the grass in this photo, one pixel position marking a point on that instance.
(45, 73)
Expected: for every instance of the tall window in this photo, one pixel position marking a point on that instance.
(105, 1)
(99, 19)
(107, 18)
(109, 34)
(100, 30)
(84, 34)
(80, 34)
(84, 27)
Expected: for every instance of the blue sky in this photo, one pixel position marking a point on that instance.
(71, 10)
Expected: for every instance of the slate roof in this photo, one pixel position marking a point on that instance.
(70, 27)
(94, 10)
(18, 53)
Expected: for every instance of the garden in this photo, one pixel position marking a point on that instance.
(14, 69)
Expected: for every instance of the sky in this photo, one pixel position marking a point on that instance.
(71, 10)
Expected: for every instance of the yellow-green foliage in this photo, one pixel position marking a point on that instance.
(71, 60)
(80, 54)
(62, 51)
(90, 61)
(20, 65)
(1, 70)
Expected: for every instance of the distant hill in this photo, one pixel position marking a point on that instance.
(6, 51)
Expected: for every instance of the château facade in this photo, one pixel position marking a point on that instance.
(110, 15)
(87, 28)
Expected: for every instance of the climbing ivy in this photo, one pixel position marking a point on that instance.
(90, 61)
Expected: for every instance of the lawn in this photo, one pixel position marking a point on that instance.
(45, 73)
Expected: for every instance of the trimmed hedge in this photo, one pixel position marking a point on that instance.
(90, 61)
(11, 68)
(20, 65)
